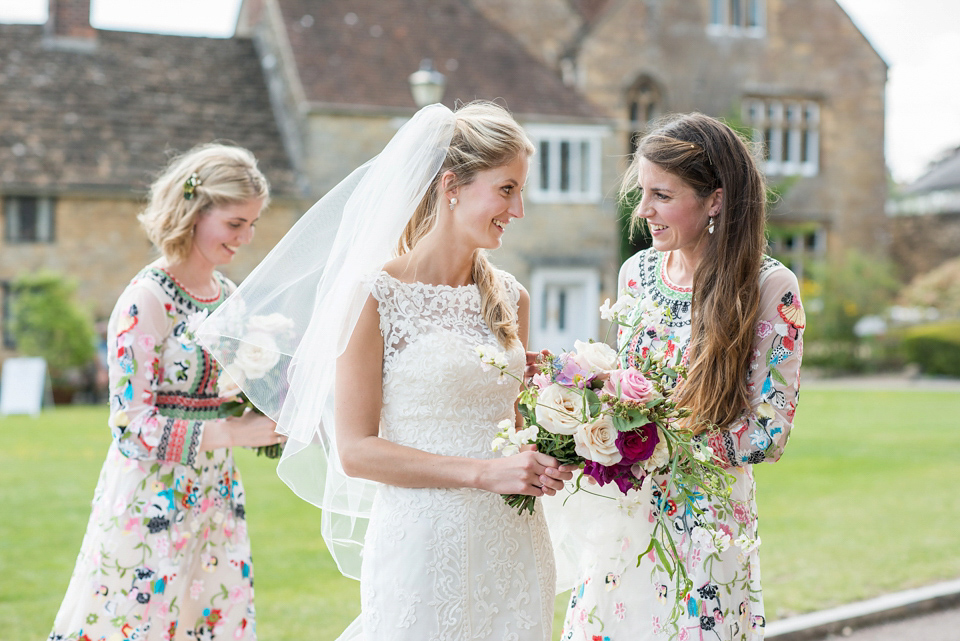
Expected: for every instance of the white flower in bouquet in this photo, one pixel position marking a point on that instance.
(229, 381)
(747, 544)
(659, 458)
(722, 540)
(619, 310)
(270, 324)
(597, 441)
(491, 357)
(595, 357)
(558, 409)
(194, 320)
(510, 439)
(257, 355)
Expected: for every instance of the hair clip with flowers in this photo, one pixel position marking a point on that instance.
(190, 187)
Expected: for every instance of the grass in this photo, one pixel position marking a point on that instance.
(861, 504)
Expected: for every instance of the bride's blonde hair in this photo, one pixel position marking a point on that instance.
(485, 137)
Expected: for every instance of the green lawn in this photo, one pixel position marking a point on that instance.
(863, 502)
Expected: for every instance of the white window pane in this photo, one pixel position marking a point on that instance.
(544, 165)
(585, 162)
(717, 11)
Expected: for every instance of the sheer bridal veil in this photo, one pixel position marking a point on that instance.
(279, 335)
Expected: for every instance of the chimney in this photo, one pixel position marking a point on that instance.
(68, 26)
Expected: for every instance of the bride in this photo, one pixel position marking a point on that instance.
(388, 410)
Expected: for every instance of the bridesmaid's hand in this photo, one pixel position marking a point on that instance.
(533, 362)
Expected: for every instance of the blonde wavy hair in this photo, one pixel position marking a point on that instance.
(485, 137)
(227, 175)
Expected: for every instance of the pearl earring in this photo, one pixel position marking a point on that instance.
(710, 226)
(453, 203)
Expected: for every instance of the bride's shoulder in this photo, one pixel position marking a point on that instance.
(510, 284)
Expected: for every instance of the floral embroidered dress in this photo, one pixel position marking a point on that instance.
(618, 601)
(166, 553)
(449, 564)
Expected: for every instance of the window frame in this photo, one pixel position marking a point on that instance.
(575, 138)
(737, 18)
(585, 276)
(44, 224)
(789, 130)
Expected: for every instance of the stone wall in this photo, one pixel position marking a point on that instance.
(100, 245)
(924, 242)
(809, 50)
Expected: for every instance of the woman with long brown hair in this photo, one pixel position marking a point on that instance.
(736, 316)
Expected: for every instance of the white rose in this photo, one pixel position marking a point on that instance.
(270, 324)
(597, 441)
(558, 409)
(257, 355)
(659, 458)
(228, 384)
(595, 356)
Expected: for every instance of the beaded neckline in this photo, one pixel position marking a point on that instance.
(187, 293)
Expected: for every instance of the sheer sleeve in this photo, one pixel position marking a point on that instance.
(774, 379)
(138, 330)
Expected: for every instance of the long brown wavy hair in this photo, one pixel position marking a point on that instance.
(485, 136)
(707, 155)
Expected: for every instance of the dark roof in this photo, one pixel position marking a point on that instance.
(941, 175)
(107, 119)
(361, 52)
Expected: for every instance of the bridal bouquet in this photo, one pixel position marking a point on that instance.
(256, 357)
(615, 415)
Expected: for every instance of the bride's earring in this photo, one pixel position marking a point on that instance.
(453, 203)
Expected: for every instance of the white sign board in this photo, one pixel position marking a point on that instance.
(22, 386)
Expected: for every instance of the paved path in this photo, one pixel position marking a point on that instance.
(930, 613)
(897, 382)
(938, 626)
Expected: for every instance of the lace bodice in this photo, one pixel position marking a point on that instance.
(436, 395)
(449, 563)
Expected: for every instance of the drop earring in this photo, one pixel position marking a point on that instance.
(710, 226)
(453, 203)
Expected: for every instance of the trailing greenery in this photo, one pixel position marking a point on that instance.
(935, 347)
(48, 322)
(861, 482)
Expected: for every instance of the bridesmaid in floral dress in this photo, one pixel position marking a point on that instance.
(737, 317)
(166, 554)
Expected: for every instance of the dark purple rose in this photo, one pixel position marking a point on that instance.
(625, 480)
(603, 474)
(637, 445)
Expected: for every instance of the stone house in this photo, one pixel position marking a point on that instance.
(88, 118)
(927, 215)
(798, 73)
(317, 88)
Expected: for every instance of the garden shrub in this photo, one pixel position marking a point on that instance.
(934, 347)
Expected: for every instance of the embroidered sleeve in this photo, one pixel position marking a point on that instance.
(774, 378)
(138, 329)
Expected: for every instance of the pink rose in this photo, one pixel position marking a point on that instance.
(632, 384)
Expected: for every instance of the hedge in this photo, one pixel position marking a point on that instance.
(935, 347)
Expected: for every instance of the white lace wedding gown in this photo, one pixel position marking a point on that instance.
(449, 564)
